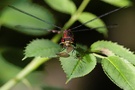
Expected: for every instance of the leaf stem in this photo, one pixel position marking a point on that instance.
(73, 18)
(28, 69)
(99, 56)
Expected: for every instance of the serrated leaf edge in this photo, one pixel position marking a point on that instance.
(119, 73)
(127, 50)
(25, 56)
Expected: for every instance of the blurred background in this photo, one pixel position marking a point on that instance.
(50, 75)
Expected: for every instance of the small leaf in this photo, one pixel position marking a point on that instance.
(65, 6)
(120, 71)
(10, 18)
(42, 48)
(119, 3)
(85, 16)
(74, 67)
(115, 49)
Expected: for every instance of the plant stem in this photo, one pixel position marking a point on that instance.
(73, 18)
(28, 69)
(99, 56)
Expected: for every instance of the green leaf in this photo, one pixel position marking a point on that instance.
(8, 58)
(65, 6)
(10, 18)
(74, 67)
(119, 3)
(115, 49)
(42, 48)
(120, 71)
(85, 16)
(4, 66)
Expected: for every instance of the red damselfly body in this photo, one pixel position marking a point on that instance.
(67, 40)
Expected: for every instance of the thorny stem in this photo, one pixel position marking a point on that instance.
(38, 61)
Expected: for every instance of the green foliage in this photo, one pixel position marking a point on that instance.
(119, 3)
(9, 70)
(4, 75)
(65, 6)
(41, 48)
(120, 71)
(78, 66)
(85, 16)
(117, 61)
(10, 18)
(115, 49)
